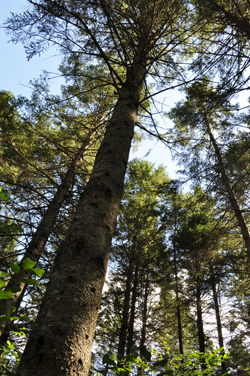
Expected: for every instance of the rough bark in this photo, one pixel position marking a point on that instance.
(124, 323)
(233, 199)
(38, 242)
(61, 342)
(132, 313)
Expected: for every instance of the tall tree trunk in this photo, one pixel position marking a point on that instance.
(132, 313)
(124, 323)
(234, 202)
(145, 311)
(61, 343)
(144, 320)
(37, 244)
(201, 336)
(217, 313)
(178, 310)
(178, 313)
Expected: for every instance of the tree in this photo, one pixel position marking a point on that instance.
(138, 239)
(136, 37)
(196, 239)
(233, 12)
(205, 112)
(91, 130)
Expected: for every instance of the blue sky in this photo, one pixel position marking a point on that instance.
(16, 73)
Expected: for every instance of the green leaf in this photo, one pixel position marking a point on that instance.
(16, 229)
(122, 370)
(108, 360)
(30, 281)
(14, 318)
(144, 352)
(28, 264)
(14, 267)
(4, 274)
(161, 362)
(4, 318)
(38, 272)
(8, 232)
(5, 295)
(131, 358)
(15, 289)
(1, 283)
(2, 195)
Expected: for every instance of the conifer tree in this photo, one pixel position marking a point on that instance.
(204, 113)
(138, 240)
(92, 130)
(135, 37)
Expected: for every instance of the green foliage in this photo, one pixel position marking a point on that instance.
(28, 264)
(194, 364)
(139, 232)
(5, 295)
(144, 352)
(12, 357)
(8, 350)
(14, 267)
(8, 228)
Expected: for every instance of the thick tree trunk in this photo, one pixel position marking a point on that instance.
(61, 342)
(201, 336)
(218, 320)
(234, 202)
(37, 245)
(124, 323)
(132, 313)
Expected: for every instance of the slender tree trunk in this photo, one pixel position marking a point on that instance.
(37, 245)
(124, 323)
(218, 320)
(234, 202)
(145, 311)
(132, 313)
(201, 336)
(61, 343)
(144, 320)
(178, 310)
(178, 313)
